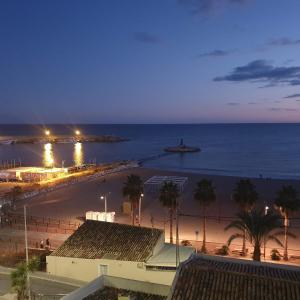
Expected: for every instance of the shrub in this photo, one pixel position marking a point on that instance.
(186, 243)
(224, 250)
(275, 255)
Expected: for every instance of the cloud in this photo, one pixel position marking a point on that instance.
(282, 109)
(216, 53)
(263, 71)
(292, 96)
(284, 41)
(252, 103)
(233, 103)
(146, 37)
(274, 109)
(206, 6)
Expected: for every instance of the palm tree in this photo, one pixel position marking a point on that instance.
(19, 277)
(287, 202)
(133, 188)
(168, 197)
(205, 195)
(15, 193)
(258, 227)
(245, 197)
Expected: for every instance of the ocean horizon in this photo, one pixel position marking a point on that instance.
(270, 150)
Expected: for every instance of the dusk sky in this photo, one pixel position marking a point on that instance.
(154, 61)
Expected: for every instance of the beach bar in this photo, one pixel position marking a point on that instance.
(31, 174)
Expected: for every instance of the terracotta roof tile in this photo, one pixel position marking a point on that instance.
(203, 277)
(95, 239)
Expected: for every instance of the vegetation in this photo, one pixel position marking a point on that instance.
(275, 255)
(224, 250)
(205, 195)
(133, 188)
(259, 228)
(15, 193)
(168, 197)
(186, 243)
(245, 197)
(19, 277)
(287, 202)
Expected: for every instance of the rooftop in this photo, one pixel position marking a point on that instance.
(207, 277)
(167, 255)
(96, 239)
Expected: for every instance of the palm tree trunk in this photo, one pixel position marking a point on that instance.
(285, 253)
(244, 243)
(256, 252)
(203, 249)
(132, 213)
(171, 226)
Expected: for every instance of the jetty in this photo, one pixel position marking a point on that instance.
(182, 148)
(62, 139)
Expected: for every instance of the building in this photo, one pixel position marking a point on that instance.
(114, 288)
(102, 248)
(212, 277)
(31, 174)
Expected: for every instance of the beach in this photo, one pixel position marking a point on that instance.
(72, 202)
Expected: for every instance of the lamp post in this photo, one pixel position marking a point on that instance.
(105, 206)
(26, 251)
(266, 212)
(140, 208)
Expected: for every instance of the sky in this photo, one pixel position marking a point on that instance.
(149, 61)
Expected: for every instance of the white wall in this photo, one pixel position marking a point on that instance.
(87, 269)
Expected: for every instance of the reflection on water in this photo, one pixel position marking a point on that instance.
(48, 157)
(78, 154)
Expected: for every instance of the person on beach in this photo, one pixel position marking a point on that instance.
(48, 246)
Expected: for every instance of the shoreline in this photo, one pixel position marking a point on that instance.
(200, 173)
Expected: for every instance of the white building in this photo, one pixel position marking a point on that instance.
(102, 248)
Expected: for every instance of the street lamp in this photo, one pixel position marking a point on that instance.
(47, 132)
(140, 208)
(103, 197)
(266, 212)
(77, 132)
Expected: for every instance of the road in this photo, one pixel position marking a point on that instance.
(38, 286)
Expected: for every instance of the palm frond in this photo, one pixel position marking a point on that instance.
(275, 239)
(233, 237)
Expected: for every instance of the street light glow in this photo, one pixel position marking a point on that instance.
(47, 132)
(77, 132)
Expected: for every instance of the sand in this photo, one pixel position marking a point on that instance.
(73, 201)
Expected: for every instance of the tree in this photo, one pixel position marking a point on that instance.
(287, 202)
(19, 277)
(168, 197)
(133, 188)
(245, 197)
(205, 195)
(15, 193)
(258, 227)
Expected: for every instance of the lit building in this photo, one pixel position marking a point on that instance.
(31, 174)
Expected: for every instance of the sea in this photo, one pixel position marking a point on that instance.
(247, 150)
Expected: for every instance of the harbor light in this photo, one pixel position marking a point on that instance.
(47, 132)
(77, 132)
